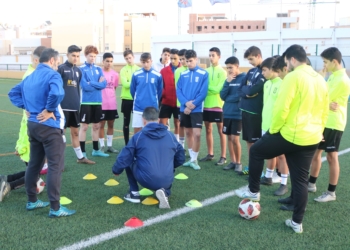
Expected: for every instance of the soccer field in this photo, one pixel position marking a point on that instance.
(217, 225)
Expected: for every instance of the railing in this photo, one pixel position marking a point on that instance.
(17, 67)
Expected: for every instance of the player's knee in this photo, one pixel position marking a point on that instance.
(332, 157)
(96, 126)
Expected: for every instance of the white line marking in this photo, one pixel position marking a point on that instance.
(155, 220)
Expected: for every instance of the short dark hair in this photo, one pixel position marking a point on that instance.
(331, 54)
(190, 54)
(308, 62)
(297, 52)
(268, 62)
(232, 60)
(166, 50)
(73, 48)
(150, 114)
(107, 55)
(215, 49)
(174, 51)
(252, 51)
(279, 64)
(145, 56)
(128, 52)
(37, 52)
(47, 54)
(182, 52)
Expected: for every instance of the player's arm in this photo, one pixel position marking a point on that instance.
(85, 83)
(340, 93)
(56, 93)
(102, 83)
(218, 84)
(160, 88)
(224, 91)
(15, 96)
(125, 157)
(255, 89)
(199, 98)
(133, 86)
(182, 99)
(240, 88)
(282, 105)
(325, 112)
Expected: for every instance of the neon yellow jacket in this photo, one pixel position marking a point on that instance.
(301, 108)
(125, 78)
(177, 74)
(22, 145)
(217, 77)
(271, 89)
(339, 91)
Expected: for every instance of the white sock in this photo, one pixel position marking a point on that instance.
(78, 153)
(182, 141)
(45, 166)
(135, 192)
(268, 173)
(194, 156)
(177, 137)
(284, 179)
(102, 142)
(190, 152)
(109, 140)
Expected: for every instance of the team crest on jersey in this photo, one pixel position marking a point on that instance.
(152, 80)
(77, 73)
(196, 79)
(97, 72)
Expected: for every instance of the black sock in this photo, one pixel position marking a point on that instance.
(95, 145)
(55, 205)
(82, 146)
(312, 179)
(126, 134)
(331, 188)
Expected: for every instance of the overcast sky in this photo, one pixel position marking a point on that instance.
(36, 11)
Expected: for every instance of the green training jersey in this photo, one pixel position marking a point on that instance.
(217, 77)
(125, 79)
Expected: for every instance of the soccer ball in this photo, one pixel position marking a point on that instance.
(248, 209)
(40, 185)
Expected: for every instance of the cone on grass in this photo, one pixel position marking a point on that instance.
(193, 203)
(115, 200)
(90, 177)
(181, 176)
(111, 182)
(65, 201)
(150, 201)
(134, 222)
(145, 192)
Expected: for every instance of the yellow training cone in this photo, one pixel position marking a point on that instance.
(193, 203)
(145, 192)
(111, 182)
(181, 176)
(115, 200)
(65, 201)
(150, 201)
(89, 177)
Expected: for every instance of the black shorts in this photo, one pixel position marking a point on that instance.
(127, 106)
(193, 120)
(331, 141)
(166, 112)
(90, 113)
(72, 119)
(108, 115)
(212, 116)
(251, 127)
(232, 126)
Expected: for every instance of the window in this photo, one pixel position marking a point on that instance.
(263, 27)
(219, 27)
(205, 27)
(242, 27)
(227, 27)
(127, 46)
(212, 27)
(234, 27)
(257, 27)
(199, 28)
(248, 27)
(127, 32)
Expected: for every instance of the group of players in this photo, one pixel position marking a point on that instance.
(234, 100)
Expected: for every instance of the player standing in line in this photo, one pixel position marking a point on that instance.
(109, 103)
(92, 82)
(71, 77)
(164, 61)
(191, 91)
(339, 91)
(127, 102)
(232, 114)
(146, 89)
(168, 107)
(178, 72)
(251, 92)
(213, 106)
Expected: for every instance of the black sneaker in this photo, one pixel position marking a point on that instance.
(287, 207)
(281, 190)
(132, 198)
(207, 158)
(221, 162)
(266, 181)
(231, 165)
(288, 200)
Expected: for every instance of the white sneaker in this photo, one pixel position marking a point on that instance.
(163, 199)
(311, 187)
(298, 228)
(276, 178)
(326, 196)
(246, 194)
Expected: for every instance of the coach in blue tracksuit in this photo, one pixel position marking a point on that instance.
(150, 158)
(40, 94)
(146, 89)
